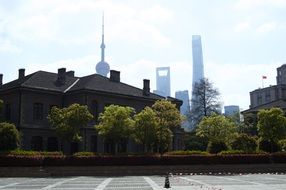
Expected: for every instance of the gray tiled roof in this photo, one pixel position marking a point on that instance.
(103, 84)
(48, 81)
(40, 80)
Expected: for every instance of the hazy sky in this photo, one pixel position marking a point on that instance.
(242, 40)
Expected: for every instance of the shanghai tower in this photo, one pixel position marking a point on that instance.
(198, 65)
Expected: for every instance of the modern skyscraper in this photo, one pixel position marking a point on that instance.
(163, 81)
(198, 65)
(231, 110)
(184, 96)
(102, 67)
(185, 108)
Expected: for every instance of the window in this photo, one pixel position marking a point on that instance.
(94, 110)
(53, 144)
(259, 99)
(37, 143)
(267, 96)
(38, 111)
(8, 112)
(93, 143)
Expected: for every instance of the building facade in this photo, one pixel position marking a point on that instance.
(185, 108)
(163, 83)
(272, 96)
(231, 110)
(29, 99)
(198, 64)
(184, 96)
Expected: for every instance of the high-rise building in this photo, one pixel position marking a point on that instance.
(184, 96)
(102, 67)
(163, 86)
(185, 107)
(231, 110)
(198, 65)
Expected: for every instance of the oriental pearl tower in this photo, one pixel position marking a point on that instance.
(102, 67)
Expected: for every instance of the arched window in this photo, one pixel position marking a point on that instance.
(53, 144)
(38, 111)
(37, 143)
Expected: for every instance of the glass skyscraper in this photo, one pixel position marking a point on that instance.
(198, 64)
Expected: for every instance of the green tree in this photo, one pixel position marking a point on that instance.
(145, 129)
(116, 123)
(9, 137)
(249, 125)
(217, 128)
(271, 125)
(194, 142)
(68, 121)
(205, 101)
(244, 142)
(169, 118)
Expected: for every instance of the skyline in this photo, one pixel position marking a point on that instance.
(242, 40)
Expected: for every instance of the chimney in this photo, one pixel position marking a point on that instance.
(146, 87)
(70, 73)
(21, 73)
(61, 75)
(1, 79)
(114, 76)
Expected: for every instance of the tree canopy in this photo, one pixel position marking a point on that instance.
(146, 125)
(167, 113)
(169, 118)
(205, 101)
(9, 137)
(216, 128)
(271, 124)
(68, 121)
(116, 123)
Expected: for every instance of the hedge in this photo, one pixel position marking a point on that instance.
(99, 160)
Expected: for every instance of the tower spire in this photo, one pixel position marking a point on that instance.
(102, 67)
(102, 42)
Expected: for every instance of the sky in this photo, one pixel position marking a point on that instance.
(242, 40)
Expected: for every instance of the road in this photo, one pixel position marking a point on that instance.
(178, 182)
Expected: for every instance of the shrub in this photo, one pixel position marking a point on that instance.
(78, 154)
(245, 143)
(54, 153)
(278, 157)
(9, 136)
(216, 147)
(241, 152)
(268, 146)
(19, 152)
(282, 144)
(194, 142)
(187, 152)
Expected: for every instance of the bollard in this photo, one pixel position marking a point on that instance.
(167, 182)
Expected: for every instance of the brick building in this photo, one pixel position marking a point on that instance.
(28, 100)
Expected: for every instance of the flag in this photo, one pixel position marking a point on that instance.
(264, 77)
